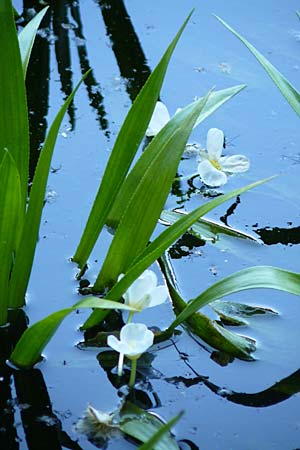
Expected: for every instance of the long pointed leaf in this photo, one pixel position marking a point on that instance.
(10, 225)
(24, 259)
(161, 244)
(14, 134)
(125, 148)
(214, 101)
(285, 87)
(29, 348)
(27, 36)
(155, 171)
(265, 277)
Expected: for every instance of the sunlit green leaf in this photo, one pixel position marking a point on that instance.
(24, 258)
(155, 174)
(260, 277)
(27, 36)
(32, 342)
(10, 225)
(125, 148)
(14, 135)
(142, 425)
(285, 87)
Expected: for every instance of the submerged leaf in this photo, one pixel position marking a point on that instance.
(232, 313)
(142, 425)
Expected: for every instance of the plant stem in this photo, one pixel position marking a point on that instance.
(130, 316)
(133, 372)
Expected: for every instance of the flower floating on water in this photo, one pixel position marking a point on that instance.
(213, 168)
(144, 292)
(98, 426)
(135, 339)
(159, 119)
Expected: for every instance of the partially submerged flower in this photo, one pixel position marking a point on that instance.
(135, 339)
(159, 119)
(99, 426)
(144, 292)
(213, 168)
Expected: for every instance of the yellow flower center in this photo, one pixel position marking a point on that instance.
(216, 164)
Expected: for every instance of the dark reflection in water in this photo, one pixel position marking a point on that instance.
(276, 393)
(126, 45)
(185, 246)
(41, 426)
(276, 235)
(93, 88)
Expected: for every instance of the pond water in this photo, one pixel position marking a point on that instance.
(235, 405)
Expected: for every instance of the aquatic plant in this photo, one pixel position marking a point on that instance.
(130, 201)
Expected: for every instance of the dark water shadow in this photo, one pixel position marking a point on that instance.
(125, 45)
(277, 235)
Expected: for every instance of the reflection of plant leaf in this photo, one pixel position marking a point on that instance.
(287, 90)
(207, 329)
(123, 153)
(206, 229)
(26, 38)
(260, 277)
(142, 425)
(158, 436)
(29, 348)
(232, 313)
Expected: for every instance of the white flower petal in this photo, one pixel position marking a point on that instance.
(138, 294)
(210, 175)
(158, 120)
(118, 346)
(137, 337)
(214, 143)
(158, 296)
(235, 163)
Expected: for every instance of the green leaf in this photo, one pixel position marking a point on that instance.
(24, 259)
(213, 102)
(142, 425)
(265, 277)
(14, 134)
(205, 229)
(155, 171)
(125, 148)
(159, 435)
(233, 313)
(208, 330)
(27, 37)
(10, 225)
(162, 243)
(287, 90)
(32, 342)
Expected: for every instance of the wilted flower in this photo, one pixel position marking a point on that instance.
(158, 120)
(98, 426)
(135, 339)
(213, 168)
(144, 292)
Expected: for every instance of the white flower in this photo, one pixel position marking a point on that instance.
(158, 120)
(98, 426)
(144, 292)
(213, 168)
(135, 339)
